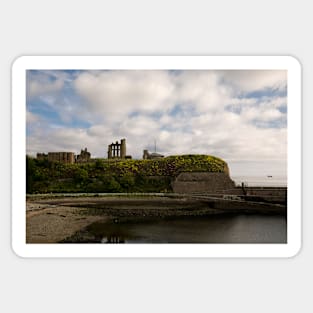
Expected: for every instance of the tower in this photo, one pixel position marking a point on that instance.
(123, 149)
(117, 150)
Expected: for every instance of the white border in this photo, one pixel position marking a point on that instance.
(23, 63)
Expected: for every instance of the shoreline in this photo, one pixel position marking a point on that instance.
(51, 219)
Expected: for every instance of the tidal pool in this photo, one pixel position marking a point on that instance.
(201, 229)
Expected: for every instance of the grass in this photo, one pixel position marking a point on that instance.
(116, 175)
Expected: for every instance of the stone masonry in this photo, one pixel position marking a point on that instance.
(202, 182)
(117, 150)
(83, 157)
(63, 157)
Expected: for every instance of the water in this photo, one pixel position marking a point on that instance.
(209, 229)
(261, 181)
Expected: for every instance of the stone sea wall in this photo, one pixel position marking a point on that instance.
(202, 182)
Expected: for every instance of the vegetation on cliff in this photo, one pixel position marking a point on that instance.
(115, 175)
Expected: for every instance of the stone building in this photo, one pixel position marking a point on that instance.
(83, 157)
(63, 157)
(42, 156)
(150, 156)
(117, 150)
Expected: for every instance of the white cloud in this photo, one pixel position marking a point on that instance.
(114, 95)
(31, 118)
(184, 112)
(44, 83)
(254, 80)
(261, 114)
(202, 89)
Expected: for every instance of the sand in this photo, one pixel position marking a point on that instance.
(50, 220)
(51, 224)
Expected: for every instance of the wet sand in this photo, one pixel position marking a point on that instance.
(53, 219)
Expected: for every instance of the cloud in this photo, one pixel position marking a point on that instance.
(31, 118)
(261, 114)
(236, 115)
(202, 90)
(113, 95)
(44, 83)
(246, 81)
(50, 93)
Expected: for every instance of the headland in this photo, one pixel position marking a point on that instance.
(65, 197)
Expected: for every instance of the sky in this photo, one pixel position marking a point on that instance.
(237, 115)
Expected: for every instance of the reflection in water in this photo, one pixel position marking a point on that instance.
(113, 239)
(210, 229)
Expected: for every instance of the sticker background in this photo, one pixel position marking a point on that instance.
(139, 27)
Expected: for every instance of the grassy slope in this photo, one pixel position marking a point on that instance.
(116, 176)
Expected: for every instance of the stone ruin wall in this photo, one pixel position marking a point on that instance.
(117, 150)
(64, 157)
(83, 157)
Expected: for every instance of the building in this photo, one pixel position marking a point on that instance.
(151, 156)
(66, 157)
(63, 157)
(42, 156)
(117, 150)
(83, 157)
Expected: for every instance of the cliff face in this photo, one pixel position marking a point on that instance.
(202, 182)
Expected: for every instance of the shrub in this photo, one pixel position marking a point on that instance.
(127, 182)
(81, 175)
(116, 175)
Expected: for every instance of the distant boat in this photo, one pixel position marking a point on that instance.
(269, 176)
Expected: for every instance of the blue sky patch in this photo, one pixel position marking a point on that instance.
(268, 92)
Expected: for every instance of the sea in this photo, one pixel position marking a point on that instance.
(261, 181)
(230, 228)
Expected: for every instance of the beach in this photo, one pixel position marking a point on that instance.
(52, 219)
